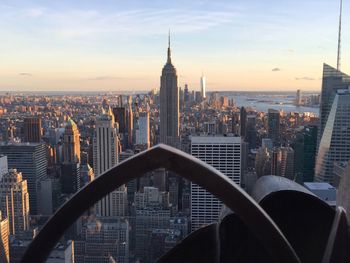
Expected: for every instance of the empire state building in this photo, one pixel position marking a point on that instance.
(169, 104)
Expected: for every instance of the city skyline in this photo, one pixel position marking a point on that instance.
(114, 46)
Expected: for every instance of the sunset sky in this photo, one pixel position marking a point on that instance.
(121, 45)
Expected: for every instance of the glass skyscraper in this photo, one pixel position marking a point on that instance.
(334, 144)
(332, 81)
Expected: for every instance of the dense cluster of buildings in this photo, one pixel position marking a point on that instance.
(51, 146)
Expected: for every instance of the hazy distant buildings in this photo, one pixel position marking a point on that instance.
(298, 98)
(31, 160)
(334, 145)
(274, 131)
(169, 104)
(32, 129)
(224, 154)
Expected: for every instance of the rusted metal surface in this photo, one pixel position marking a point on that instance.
(161, 156)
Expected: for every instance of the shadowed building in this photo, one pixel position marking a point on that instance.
(32, 129)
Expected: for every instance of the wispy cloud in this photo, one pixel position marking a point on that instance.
(146, 21)
(276, 69)
(304, 78)
(25, 74)
(34, 12)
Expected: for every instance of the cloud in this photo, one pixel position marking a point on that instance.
(276, 69)
(34, 12)
(76, 23)
(104, 78)
(114, 78)
(304, 78)
(25, 74)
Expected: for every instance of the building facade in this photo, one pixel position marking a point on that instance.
(14, 201)
(31, 160)
(224, 154)
(334, 145)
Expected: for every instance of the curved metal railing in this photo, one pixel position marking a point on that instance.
(185, 165)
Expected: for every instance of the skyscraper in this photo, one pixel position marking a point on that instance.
(169, 104)
(4, 239)
(143, 131)
(31, 160)
(203, 87)
(14, 201)
(332, 81)
(120, 117)
(71, 143)
(224, 154)
(105, 152)
(32, 129)
(243, 118)
(70, 170)
(274, 126)
(304, 146)
(334, 145)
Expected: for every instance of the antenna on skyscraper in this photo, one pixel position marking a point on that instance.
(339, 35)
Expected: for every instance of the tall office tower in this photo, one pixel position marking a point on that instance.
(31, 160)
(105, 153)
(203, 87)
(287, 162)
(332, 81)
(251, 133)
(70, 169)
(304, 146)
(120, 117)
(14, 201)
(235, 124)
(243, 118)
(186, 95)
(169, 104)
(263, 162)
(130, 122)
(4, 239)
(224, 154)
(143, 131)
(276, 159)
(131, 186)
(32, 129)
(103, 240)
(3, 165)
(298, 98)
(335, 141)
(274, 126)
(71, 143)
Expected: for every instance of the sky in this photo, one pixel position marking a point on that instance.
(105, 45)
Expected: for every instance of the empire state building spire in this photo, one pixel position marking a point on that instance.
(169, 51)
